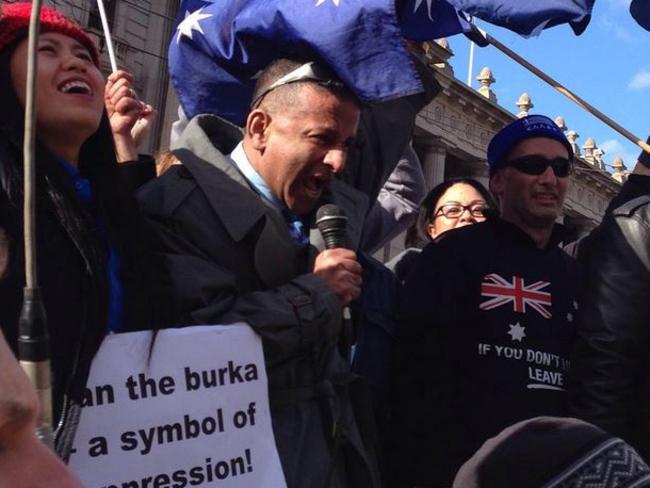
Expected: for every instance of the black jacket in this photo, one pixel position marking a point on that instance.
(610, 381)
(229, 258)
(485, 335)
(71, 259)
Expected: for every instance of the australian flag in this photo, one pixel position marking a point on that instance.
(220, 47)
(529, 17)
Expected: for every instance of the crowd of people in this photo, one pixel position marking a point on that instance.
(460, 364)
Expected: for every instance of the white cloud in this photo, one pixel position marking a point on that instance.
(612, 27)
(619, 4)
(614, 148)
(640, 80)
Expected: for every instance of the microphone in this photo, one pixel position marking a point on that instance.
(34, 357)
(331, 222)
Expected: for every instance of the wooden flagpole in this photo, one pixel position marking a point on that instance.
(107, 35)
(566, 92)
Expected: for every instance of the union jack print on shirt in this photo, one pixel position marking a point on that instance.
(500, 291)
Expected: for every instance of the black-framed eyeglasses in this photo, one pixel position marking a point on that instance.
(536, 165)
(455, 210)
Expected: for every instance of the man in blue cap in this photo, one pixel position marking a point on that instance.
(530, 161)
(487, 314)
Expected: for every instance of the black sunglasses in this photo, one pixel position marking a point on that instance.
(536, 165)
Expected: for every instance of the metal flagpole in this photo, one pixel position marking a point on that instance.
(33, 340)
(566, 92)
(470, 69)
(107, 35)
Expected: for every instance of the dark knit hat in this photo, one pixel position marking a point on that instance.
(14, 22)
(517, 131)
(552, 452)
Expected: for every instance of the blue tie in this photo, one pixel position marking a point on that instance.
(296, 228)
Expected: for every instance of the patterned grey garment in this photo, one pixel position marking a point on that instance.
(612, 464)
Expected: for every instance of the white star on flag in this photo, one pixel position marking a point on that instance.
(569, 317)
(191, 23)
(321, 2)
(517, 332)
(417, 6)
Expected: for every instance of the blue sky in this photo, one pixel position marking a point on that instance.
(608, 66)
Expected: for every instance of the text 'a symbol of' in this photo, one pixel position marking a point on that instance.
(517, 332)
(191, 23)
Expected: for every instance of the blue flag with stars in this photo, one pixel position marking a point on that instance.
(640, 10)
(423, 20)
(420, 19)
(220, 47)
(528, 17)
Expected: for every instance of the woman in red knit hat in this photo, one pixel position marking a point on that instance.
(92, 270)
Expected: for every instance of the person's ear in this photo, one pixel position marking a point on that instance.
(431, 230)
(257, 124)
(497, 183)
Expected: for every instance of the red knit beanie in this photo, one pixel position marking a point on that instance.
(14, 22)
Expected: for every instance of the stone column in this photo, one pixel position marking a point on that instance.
(433, 164)
(480, 173)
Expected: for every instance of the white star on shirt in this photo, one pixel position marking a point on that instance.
(429, 6)
(517, 332)
(191, 23)
(321, 2)
(569, 317)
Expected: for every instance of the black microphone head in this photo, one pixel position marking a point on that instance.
(331, 222)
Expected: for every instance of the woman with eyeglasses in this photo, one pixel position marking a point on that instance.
(454, 203)
(91, 261)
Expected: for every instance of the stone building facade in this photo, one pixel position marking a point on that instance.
(453, 131)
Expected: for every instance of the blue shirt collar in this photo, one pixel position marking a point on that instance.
(81, 185)
(296, 227)
(69, 168)
(240, 160)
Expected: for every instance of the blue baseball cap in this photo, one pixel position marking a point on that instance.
(519, 130)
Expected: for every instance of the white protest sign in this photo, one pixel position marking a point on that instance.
(190, 410)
